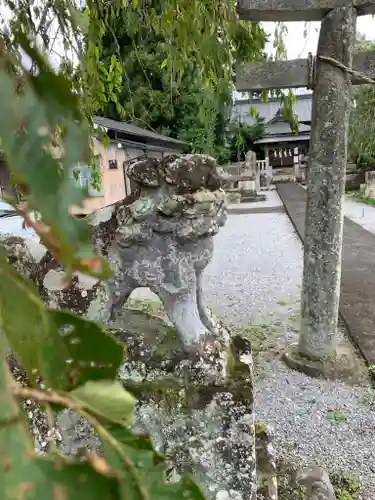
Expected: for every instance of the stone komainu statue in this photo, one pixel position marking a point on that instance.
(160, 237)
(198, 406)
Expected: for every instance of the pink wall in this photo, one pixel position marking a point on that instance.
(115, 186)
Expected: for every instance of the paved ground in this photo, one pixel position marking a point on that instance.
(358, 271)
(359, 212)
(272, 204)
(362, 214)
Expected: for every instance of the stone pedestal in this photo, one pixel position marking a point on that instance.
(266, 463)
(296, 164)
(257, 177)
(198, 409)
(316, 484)
(252, 169)
(248, 186)
(370, 184)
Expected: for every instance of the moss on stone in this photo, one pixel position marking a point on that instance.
(262, 337)
(289, 491)
(171, 395)
(260, 428)
(283, 302)
(294, 318)
(288, 488)
(146, 305)
(170, 344)
(239, 379)
(347, 487)
(165, 391)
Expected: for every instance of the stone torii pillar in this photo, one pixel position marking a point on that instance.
(330, 75)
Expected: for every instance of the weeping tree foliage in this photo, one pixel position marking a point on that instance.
(54, 75)
(177, 67)
(361, 147)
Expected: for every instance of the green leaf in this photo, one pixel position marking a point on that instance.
(253, 112)
(62, 348)
(80, 18)
(26, 143)
(336, 415)
(107, 398)
(143, 469)
(42, 479)
(25, 477)
(29, 330)
(48, 85)
(93, 354)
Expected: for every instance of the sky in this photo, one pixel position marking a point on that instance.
(299, 46)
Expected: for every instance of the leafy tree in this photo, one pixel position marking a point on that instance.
(361, 147)
(243, 136)
(46, 132)
(195, 106)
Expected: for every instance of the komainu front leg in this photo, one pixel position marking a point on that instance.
(183, 312)
(206, 316)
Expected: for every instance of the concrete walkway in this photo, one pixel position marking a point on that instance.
(272, 204)
(362, 214)
(358, 269)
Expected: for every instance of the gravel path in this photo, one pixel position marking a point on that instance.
(257, 263)
(255, 277)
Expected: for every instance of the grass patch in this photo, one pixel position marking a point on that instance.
(346, 487)
(336, 416)
(294, 318)
(288, 488)
(367, 397)
(363, 199)
(283, 302)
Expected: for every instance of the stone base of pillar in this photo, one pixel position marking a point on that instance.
(343, 366)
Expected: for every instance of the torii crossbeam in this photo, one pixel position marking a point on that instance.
(296, 73)
(298, 10)
(330, 75)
